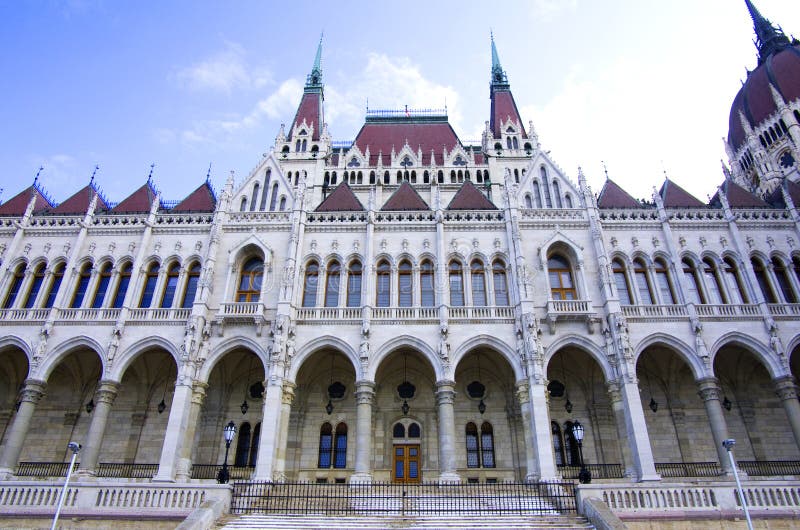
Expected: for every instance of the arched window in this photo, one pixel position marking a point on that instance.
(254, 445)
(487, 445)
(508, 142)
(58, 276)
(267, 177)
(274, 198)
(340, 447)
(713, 287)
(472, 445)
(282, 204)
(304, 145)
(325, 445)
(568, 200)
(528, 201)
(761, 277)
(557, 193)
(440, 177)
(171, 286)
(784, 282)
(662, 282)
(796, 264)
(413, 430)
(332, 282)
(243, 445)
(297, 146)
(16, 283)
(478, 281)
(190, 291)
(562, 286)
(83, 284)
(399, 431)
(122, 285)
(150, 280)
(693, 294)
(537, 195)
(253, 202)
(456, 280)
(102, 285)
(310, 287)
(515, 142)
(250, 281)
(426, 284)
(36, 286)
(558, 443)
(405, 288)
(500, 283)
(570, 445)
(621, 281)
(548, 202)
(736, 290)
(354, 284)
(642, 282)
(383, 285)
(243, 206)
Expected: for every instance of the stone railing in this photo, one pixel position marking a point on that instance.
(82, 315)
(335, 315)
(655, 312)
(477, 313)
(384, 315)
(158, 314)
(784, 310)
(566, 307)
(728, 311)
(32, 316)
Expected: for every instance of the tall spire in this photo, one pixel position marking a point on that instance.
(769, 39)
(499, 78)
(314, 79)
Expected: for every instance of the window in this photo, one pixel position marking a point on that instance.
(399, 431)
(557, 194)
(413, 430)
(354, 285)
(383, 285)
(642, 282)
(151, 278)
(102, 286)
(537, 196)
(558, 443)
(621, 281)
(763, 283)
(58, 276)
(426, 282)
(16, 283)
(310, 287)
(735, 289)
(528, 201)
(570, 446)
(263, 204)
(325, 445)
(332, 279)
(561, 285)
(242, 445)
(713, 287)
(784, 282)
(250, 281)
(83, 284)
(480, 451)
(487, 445)
(456, 284)
(172, 285)
(274, 198)
(253, 202)
(472, 445)
(254, 445)
(548, 202)
(122, 286)
(500, 283)
(478, 281)
(332, 450)
(662, 282)
(190, 291)
(405, 289)
(340, 447)
(693, 294)
(36, 286)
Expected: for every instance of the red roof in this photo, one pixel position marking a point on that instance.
(200, 200)
(17, 204)
(382, 137)
(776, 197)
(341, 199)
(503, 108)
(612, 196)
(310, 110)
(79, 202)
(140, 201)
(738, 197)
(676, 197)
(405, 198)
(470, 198)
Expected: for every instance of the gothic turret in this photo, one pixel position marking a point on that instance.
(769, 39)
(308, 121)
(505, 123)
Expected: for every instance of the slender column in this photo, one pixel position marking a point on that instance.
(265, 465)
(637, 436)
(708, 389)
(523, 397)
(365, 395)
(542, 437)
(176, 430)
(103, 399)
(445, 395)
(31, 394)
(786, 388)
(184, 470)
(618, 408)
(283, 431)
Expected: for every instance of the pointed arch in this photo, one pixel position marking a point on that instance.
(130, 354)
(594, 351)
(493, 343)
(405, 341)
(320, 343)
(680, 348)
(225, 347)
(758, 349)
(62, 350)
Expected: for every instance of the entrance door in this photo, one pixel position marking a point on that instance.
(406, 463)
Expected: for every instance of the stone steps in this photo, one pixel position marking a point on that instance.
(319, 522)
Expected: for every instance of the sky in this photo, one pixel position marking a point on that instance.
(640, 87)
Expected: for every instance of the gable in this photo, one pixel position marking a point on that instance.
(405, 198)
(341, 199)
(470, 198)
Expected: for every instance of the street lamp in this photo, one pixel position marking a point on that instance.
(584, 476)
(75, 447)
(728, 445)
(229, 432)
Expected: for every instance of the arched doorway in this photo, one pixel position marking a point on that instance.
(13, 372)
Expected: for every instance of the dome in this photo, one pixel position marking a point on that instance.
(755, 101)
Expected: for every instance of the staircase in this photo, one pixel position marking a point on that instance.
(451, 522)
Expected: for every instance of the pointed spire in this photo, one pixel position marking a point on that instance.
(499, 78)
(769, 39)
(314, 79)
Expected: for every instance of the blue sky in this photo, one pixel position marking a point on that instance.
(645, 86)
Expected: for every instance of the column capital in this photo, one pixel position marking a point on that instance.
(33, 391)
(106, 392)
(199, 392)
(522, 389)
(445, 392)
(365, 392)
(288, 392)
(785, 387)
(708, 388)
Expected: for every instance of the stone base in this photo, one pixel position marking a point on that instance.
(85, 475)
(7, 474)
(360, 479)
(449, 478)
(655, 477)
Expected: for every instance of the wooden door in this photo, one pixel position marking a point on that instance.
(406, 466)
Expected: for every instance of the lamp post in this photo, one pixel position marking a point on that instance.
(228, 432)
(728, 445)
(75, 447)
(584, 476)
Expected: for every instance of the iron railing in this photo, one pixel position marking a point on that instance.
(597, 471)
(688, 469)
(770, 468)
(209, 471)
(391, 499)
(123, 470)
(43, 469)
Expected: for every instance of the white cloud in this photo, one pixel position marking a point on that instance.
(223, 71)
(547, 9)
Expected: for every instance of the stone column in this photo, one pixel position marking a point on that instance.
(542, 437)
(445, 395)
(523, 398)
(636, 427)
(31, 394)
(265, 465)
(184, 470)
(283, 430)
(103, 399)
(786, 388)
(174, 437)
(365, 395)
(618, 408)
(708, 389)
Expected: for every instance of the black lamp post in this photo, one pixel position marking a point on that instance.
(584, 477)
(229, 432)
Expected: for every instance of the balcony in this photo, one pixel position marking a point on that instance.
(784, 311)
(480, 313)
(22, 316)
(646, 313)
(571, 311)
(330, 315)
(158, 315)
(728, 311)
(242, 313)
(88, 315)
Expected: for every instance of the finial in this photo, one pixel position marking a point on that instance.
(769, 39)
(36, 178)
(498, 75)
(314, 79)
(208, 173)
(150, 176)
(605, 168)
(664, 170)
(91, 180)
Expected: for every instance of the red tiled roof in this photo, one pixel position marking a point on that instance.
(794, 192)
(504, 107)
(676, 197)
(310, 110)
(738, 197)
(405, 198)
(341, 199)
(79, 202)
(17, 204)
(382, 137)
(200, 200)
(776, 197)
(612, 196)
(479, 160)
(140, 201)
(470, 198)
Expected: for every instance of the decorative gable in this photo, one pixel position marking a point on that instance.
(266, 189)
(470, 198)
(405, 198)
(341, 199)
